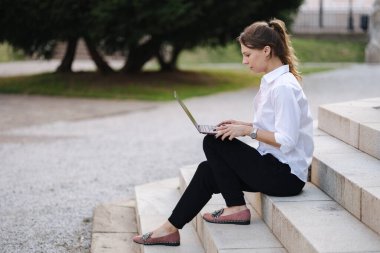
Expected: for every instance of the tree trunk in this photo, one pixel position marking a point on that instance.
(100, 63)
(68, 59)
(168, 62)
(139, 54)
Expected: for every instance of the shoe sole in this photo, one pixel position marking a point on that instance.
(160, 243)
(230, 222)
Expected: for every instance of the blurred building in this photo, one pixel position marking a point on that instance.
(333, 16)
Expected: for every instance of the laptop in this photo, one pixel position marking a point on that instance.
(203, 129)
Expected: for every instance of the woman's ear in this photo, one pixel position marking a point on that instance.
(267, 50)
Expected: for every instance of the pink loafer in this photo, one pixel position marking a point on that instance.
(239, 218)
(172, 239)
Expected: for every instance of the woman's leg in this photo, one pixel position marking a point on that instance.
(233, 163)
(195, 197)
(232, 167)
(238, 166)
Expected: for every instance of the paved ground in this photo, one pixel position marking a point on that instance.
(59, 157)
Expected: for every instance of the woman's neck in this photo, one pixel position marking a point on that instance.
(273, 63)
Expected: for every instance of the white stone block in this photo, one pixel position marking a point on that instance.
(264, 203)
(369, 140)
(342, 176)
(186, 174)
(321, 226)
(273, 250)
(316, 130)
(157, 198)
(332, 145)
(254, 199)
(114, 219)
(338, 126)
(371, 208)
(114, 243)
(343, 120)
(256, 236)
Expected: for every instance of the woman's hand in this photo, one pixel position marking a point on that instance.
(233, 122)
(232, 131)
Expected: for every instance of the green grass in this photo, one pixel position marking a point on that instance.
(203, 71)
(149, 85)
(307, 49)
(146, 86)
(329, 50)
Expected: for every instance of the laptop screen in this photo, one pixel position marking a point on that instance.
(185, 109)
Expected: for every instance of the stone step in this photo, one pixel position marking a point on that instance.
(154, 204)
(216, 238)
(114, 225)
(356, 123)
(312, 222)
(350, 177)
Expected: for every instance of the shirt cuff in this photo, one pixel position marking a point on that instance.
(287, 144)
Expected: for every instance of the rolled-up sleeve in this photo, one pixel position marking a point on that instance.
(287, 117)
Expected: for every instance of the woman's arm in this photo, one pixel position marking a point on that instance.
(231, 131)
(266, 137)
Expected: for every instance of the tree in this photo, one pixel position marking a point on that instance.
(144, 29)
(141, 29)
(36, 26)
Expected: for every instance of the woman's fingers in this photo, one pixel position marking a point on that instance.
(228, 131)
(219, 132)
(222, 127)
(226, 122)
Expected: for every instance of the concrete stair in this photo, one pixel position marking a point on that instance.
(348, 168)
(154, 204)
(350, 177)
(338, 211)
(309, 222)
(256, 238)
(356, 123)
(114, 225)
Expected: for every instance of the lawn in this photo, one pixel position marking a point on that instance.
(330, 50)
(204, 71)
(149, 85)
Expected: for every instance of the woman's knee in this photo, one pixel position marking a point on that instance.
(205, 176)
(209, 141)
(204, 169)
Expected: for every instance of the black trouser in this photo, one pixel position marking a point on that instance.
(231, 168)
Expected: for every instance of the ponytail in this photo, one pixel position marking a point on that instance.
(289, 56)
(273, 34)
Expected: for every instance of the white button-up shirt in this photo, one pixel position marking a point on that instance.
(281, 107)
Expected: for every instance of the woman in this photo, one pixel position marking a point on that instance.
(283, 126)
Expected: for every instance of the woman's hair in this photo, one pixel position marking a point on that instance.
(272, 34)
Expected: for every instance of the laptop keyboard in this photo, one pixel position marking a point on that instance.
(207, 128)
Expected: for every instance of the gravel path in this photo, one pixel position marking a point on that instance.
(61, 157)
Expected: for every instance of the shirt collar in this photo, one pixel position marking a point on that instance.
(274, 74)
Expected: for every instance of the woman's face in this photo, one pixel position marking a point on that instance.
(256, 59)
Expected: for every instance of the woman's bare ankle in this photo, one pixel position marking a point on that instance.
(234, 209)
(169, 227)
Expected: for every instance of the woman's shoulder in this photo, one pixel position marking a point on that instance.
(287, 81)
